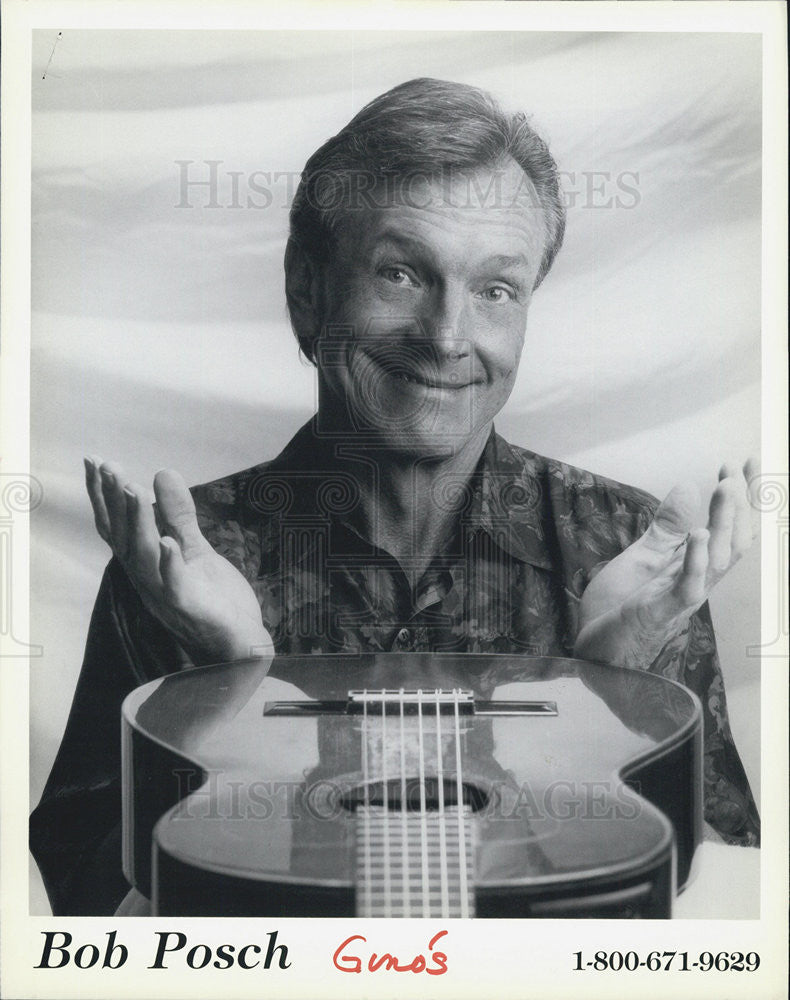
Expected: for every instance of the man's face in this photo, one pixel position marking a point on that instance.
(427, 303)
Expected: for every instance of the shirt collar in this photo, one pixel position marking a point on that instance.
(504, 497)
(507, 502)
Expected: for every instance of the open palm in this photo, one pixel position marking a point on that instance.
(643, 596)
(201, 598)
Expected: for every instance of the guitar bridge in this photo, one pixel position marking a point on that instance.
(410, 702)
(391, 702)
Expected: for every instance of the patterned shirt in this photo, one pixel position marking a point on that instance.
(530, 532)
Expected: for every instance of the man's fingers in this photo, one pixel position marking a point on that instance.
(674, 517)
(745, 525)
(751, 469)
(142, 538)
(126, 520)
(94, 488)
(171, 568)
(742, 529)
(721, 520)
(751, 473)
(729, 470)
(693, 589)
(176, 511)
(113, 480)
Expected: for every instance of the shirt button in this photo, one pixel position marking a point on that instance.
(403, 638)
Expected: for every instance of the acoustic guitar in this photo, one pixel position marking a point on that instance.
(411, 785)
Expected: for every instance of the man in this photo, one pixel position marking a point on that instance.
(397, 519)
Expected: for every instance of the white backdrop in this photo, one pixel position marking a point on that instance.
(159, 330)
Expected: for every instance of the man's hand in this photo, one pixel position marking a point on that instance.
(203, 601)
(648, 593)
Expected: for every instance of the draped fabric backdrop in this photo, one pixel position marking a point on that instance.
(160, 335)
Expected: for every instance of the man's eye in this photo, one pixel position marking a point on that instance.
(497, 294)
(398, 276)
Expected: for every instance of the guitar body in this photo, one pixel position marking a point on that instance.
(411, 785)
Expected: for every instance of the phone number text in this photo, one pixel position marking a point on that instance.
(664, 961)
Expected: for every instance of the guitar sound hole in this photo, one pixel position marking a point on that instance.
(473, 796)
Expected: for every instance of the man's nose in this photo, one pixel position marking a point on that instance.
(446, 322)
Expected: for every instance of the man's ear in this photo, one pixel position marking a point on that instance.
(304, 293)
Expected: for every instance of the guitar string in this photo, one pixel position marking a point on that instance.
(442, 811)
(426, 903)
(406, 874)
(460, 797)
(385, 809)
(366, 809)
(442, 826)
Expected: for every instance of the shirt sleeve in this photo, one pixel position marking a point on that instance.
(692, 659)
(75, 831)
(599, 519)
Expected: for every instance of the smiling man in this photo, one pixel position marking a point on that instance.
(397, 518)
(424, 302)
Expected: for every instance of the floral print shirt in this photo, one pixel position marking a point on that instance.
(530, 533)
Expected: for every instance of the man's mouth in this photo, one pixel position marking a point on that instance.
(453, 380)
(418, 368)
